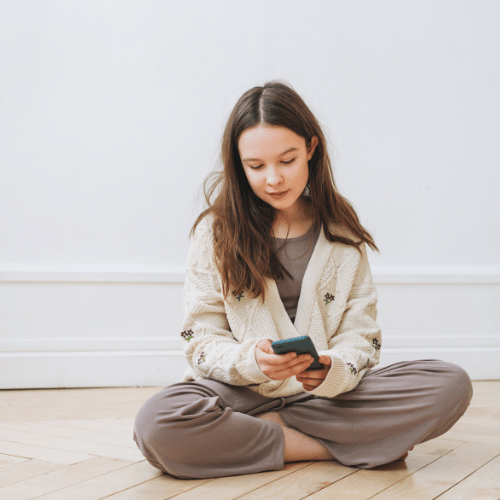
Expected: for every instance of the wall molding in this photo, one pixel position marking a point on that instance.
(90, 369)
(164, 345)
(156, 364)
(92, 345)
(35, 370)
(91, 273)
(125, 273)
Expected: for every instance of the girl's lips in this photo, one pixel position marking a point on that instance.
(278, 195)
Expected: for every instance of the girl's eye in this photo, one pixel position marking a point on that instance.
(256, 167)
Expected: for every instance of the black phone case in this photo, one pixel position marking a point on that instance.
(300, 345)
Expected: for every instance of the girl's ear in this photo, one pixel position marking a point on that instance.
(312, 147)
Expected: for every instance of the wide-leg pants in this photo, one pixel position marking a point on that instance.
(206, 429)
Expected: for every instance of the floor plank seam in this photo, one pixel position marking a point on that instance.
(466, 477)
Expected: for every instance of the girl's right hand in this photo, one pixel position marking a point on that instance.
(280, 366)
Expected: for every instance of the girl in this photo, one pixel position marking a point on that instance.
(279, 254)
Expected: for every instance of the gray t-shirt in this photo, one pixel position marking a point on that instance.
(294, 254)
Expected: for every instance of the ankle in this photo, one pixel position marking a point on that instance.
(272, 416)
(300, 447)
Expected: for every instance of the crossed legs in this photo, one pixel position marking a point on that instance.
(209, 429)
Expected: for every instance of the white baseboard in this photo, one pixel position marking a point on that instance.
(479, 362)
(34, 370)
(396, 343)
(90, 369)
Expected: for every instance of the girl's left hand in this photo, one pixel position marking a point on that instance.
(311, 379)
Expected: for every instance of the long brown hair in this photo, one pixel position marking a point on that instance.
(242, 222)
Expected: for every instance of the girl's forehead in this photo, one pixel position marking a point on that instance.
(268, 139)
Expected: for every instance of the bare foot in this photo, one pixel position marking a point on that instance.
(404, 457)
(298, 446)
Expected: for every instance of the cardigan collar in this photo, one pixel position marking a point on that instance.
(307, 296)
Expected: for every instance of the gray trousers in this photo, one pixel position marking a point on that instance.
(206, 429)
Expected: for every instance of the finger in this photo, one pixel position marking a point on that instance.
(288, 362)
(326, 367)
(289, 371)
(325, 360)
(312, 383)
(279, 359)
(314, 374)
(300, 367)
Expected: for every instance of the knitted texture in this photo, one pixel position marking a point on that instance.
(337, 309)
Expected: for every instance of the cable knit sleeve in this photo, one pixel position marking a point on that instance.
(210, 347)
(354, 346)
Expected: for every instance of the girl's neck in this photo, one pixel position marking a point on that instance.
(296, 222)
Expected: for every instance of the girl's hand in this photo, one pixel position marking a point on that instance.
(313, 378)
(280, 366)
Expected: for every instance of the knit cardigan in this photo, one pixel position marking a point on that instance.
(336, 309)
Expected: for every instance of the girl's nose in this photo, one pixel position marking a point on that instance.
(274, 177)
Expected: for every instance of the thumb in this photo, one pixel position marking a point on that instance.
(265, 346)
(325, 360)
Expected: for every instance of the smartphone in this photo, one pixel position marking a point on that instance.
(300, 345)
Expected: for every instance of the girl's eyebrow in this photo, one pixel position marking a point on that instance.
(284, 152)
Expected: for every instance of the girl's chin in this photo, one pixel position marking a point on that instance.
(283, 205)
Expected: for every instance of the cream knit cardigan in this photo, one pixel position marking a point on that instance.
(337, 309)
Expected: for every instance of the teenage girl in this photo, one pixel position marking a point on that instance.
(278, 254)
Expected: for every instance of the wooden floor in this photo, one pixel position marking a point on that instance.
(76, 444)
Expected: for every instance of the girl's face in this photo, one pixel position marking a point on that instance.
(275, 163)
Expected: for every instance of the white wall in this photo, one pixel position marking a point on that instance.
(111, 114)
